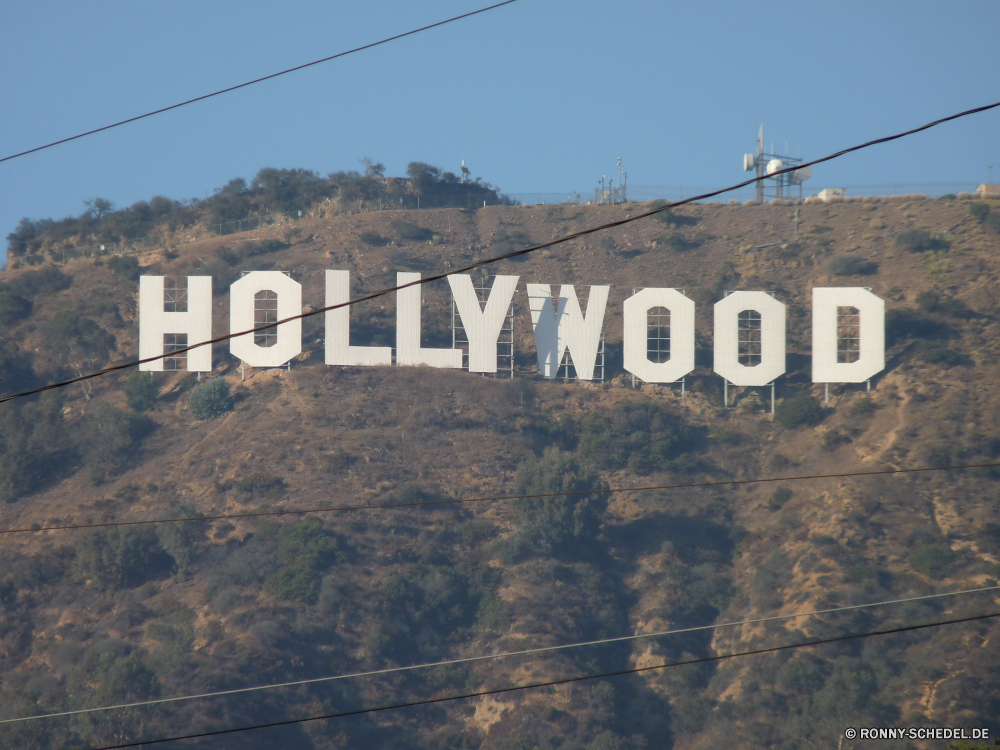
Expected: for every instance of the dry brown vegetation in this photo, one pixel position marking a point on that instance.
(91, 618)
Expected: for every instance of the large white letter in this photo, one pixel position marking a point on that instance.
(482, 327)
(246, 311)
(871, 332)
(727, 338)
(338, 328)
(568, 329)
(636, 312)
(194, 321)
(408, 349)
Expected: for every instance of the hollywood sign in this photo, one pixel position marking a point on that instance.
(168, 319)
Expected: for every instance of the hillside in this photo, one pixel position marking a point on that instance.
(105, 616)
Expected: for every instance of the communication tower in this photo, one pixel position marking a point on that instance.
(607, 192)
(766, 164)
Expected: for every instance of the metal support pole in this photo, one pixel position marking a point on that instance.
(869, 381)
(243, 374)
(682, 387)
(772, 398)
(725, 392)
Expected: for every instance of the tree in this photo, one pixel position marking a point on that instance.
(99, 208)
(373, 169)
(559, 524)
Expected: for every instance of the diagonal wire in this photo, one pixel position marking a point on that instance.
(486, 657)
(257, 80)
(496, 498)
(552, 683)
(487, 261)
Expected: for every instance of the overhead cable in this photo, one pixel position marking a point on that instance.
(513, 254)
(495, 498)
(257, 80)
(547, 683)
(489, 657)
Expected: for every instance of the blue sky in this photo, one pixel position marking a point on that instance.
(542, 95)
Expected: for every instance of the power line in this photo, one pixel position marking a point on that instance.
(478, 264)
(496, 498)
(258, 80)
(551, 683)
(486, 657)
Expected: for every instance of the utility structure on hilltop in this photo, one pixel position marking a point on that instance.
(766, 164)
(607, 192)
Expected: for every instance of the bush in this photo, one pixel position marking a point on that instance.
(979, 211)
(904, 323)
(44, 281)
(121, 557)
(801, 409)
(212, 399)
(306, 550)
(126, 266)
(141, 391)
(935, 561)
(410, 231)
(937, 305)
(643, 436)
(920, 241)
(781, 496)
(13, 308)
(939, 354)
(109, 438)
(560, 524)
(374, 239)
(849, 265)
(74, 338)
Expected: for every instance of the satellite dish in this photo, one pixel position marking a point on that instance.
(748, 162)
(800, 175)
(775, 165)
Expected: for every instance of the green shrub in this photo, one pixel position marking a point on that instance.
(801, 409)
(849, 265)
(126, 266)
(938, 305)
(979, 211)
(73, 338)
(920, 241)
(410, 231)
(935, 561)
(780, 496)
(642, 436)
(121, 557)
(44, 281)
(561, 524)
(109, 439)
(212, 399)
(306, 550)
(260, 483)
(937, 456)
(374, 239)
(938, 354)
(904, 323)
(141, 391)
(13, 308)
(297, 582)
(863, 407)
